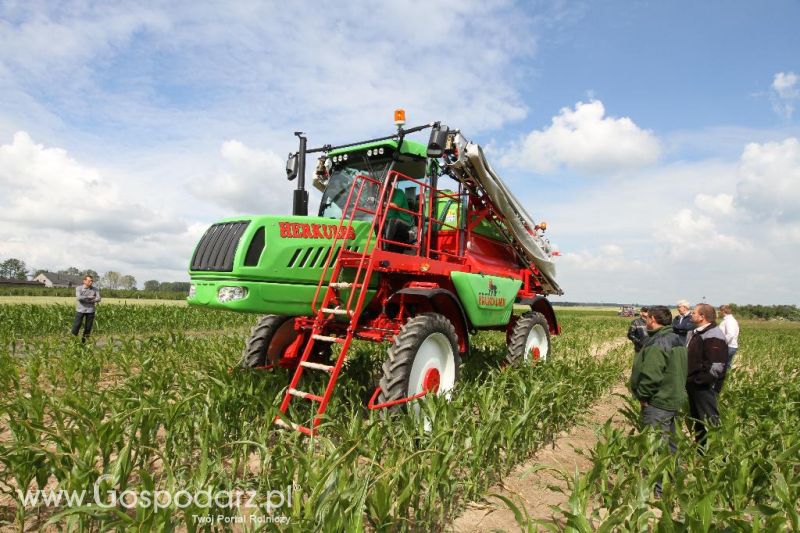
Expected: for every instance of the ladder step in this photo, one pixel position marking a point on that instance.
(327, 339)
(336, 311)
(341, 285)
(305, 395)
(316, 366)
(281, 423)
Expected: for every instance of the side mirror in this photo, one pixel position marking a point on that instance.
(291, 167)
(438, 140)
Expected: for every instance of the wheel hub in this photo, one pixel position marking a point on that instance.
(536, 353)
(430, 382)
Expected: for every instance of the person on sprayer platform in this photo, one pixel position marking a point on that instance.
(708, 355)
(730, 328)
(87, 296)
(682, 324)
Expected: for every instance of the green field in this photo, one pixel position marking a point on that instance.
(152, 405)
(45, 300)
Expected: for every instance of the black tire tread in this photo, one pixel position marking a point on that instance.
(400, 356)
(523, 325)
(255, 349)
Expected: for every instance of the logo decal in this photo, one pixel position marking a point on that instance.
(296, 230)
(490, 298)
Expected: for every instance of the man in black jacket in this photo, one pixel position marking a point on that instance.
(708, 355)
(637, 333)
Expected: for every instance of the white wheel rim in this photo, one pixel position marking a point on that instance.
(435, 352)
(537, 339)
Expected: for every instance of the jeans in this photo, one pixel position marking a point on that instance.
(731, 353)
(664, 421)
(87, 319)
(661, 419)
(703, 410)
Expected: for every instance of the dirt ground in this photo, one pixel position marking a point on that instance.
(534, 484)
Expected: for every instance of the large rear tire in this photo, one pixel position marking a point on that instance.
(424, 356)
(269, 339)
(529, 341)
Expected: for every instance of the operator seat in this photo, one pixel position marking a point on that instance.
(399, 226)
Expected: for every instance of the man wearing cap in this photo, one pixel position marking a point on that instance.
(682, 324)
(708, 355)
(637, 333)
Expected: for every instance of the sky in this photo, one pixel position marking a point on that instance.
(660, 141)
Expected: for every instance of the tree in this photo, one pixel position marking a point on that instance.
(128, 282)
(71, 271)
(14, 269)
(111, 280)
(89, 272)
(151, 285)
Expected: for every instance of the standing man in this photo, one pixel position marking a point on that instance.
(708, 355)
(682, 324)
(88, 296)
(658, 377)
(637, 333)
(730, 328)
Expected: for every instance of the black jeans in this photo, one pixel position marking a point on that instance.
(87, 319)
(703, 410)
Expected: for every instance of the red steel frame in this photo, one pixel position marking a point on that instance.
(428, 267)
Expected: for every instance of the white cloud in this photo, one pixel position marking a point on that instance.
(58, 212)
(45, 188)
(691, 234)
(248, 181)
(609, 258)
(213, 68)
(785, 92)
(770, 179)
(586, 140)
(718, 204)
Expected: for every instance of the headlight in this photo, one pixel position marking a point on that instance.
(229, 294)
(192, 290)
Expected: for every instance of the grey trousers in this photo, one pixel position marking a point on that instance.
(663, 420)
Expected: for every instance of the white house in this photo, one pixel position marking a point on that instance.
(58, 280)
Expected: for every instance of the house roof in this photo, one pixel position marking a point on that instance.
(62, 279)
(11, 281)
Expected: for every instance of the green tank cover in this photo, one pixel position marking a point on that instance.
(487, 300)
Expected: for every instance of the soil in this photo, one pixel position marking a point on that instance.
(538, 485)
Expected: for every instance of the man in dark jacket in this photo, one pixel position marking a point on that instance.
(637, 333)
(658, 378)
(708, 355)
(682, 324)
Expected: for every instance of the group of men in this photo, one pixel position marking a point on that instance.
(688, 355)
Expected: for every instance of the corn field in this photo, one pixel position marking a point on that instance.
(151, 405)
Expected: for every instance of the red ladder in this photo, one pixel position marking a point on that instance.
(331, 306)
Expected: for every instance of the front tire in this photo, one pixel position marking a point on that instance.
(529, 341)
(269, 340)
(424, 356)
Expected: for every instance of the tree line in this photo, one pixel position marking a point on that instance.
(766, 312)
(13, 268)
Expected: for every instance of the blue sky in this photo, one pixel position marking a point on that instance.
(658, 139)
